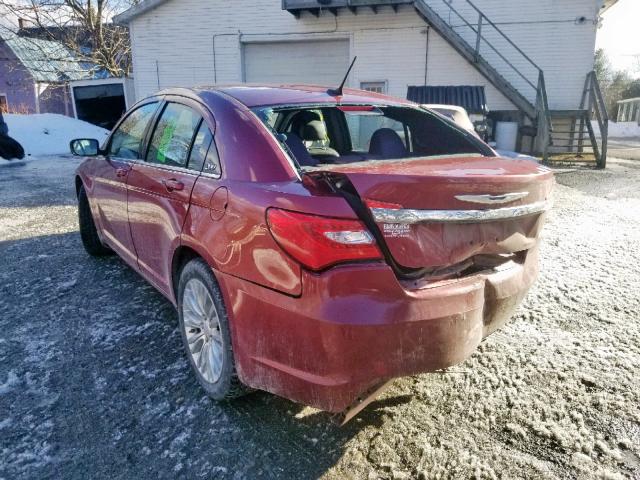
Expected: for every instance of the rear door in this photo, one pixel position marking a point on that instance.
(110, 187)
(160, 187)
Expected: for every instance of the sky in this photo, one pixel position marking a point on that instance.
(619, 35)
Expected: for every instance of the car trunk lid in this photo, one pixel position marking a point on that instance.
(437, 212)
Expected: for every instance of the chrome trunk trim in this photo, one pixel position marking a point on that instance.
(408, 216)
(489, 199)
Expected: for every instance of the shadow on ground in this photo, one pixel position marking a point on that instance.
(102, 386)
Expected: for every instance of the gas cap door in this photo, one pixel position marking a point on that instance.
(218, 203)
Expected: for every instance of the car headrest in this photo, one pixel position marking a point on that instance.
(301, 119)
(314, 130)
(386, 143)
(299, 151)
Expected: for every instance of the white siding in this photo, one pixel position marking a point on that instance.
(548, 31)
(173, 44)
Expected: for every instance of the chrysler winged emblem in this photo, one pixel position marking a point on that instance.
(493, 199)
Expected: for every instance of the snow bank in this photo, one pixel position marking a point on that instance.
(619, 129)
(49, 133)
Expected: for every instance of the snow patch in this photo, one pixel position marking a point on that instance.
(49, 133)
(619, 129)
(12, 381)
(67, 285)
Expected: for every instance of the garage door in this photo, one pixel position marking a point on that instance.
(318, 62)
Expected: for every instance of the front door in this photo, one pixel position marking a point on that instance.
(160, 189)
(110, 187)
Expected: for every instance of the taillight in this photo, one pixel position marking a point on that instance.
(319, 242)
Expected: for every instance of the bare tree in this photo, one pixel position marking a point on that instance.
(83, 27)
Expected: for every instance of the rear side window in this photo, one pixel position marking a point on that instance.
(204, 154)
(200, 148)
(126, 141)
(172, 137)
(212, 162)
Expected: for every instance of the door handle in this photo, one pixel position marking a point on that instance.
(173, 185)
(122, 172)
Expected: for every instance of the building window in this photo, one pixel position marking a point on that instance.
(4, 106)
(376, 87)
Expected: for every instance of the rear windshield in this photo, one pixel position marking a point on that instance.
(340, 134)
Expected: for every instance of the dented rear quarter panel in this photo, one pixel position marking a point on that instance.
(239, 242)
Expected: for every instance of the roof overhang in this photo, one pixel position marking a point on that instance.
(607, 4)
(629, 100)
(297, 6)
(292, 6)
(133, 12)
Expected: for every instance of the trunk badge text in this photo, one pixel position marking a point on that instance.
(492, 199)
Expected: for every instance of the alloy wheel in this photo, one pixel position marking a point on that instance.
(202, 329)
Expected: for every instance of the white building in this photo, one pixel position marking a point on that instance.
(629, 110)
(399, 43)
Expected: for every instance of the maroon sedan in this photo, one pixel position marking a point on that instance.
(314, 245)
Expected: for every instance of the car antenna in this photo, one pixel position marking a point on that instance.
(337, 92)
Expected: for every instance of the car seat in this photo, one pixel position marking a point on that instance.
(386, 143)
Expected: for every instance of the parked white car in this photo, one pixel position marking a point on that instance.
(460, 116)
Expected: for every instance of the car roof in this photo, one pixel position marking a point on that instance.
(256, 95)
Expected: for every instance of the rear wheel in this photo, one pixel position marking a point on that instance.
(205, 332)
(88, 233)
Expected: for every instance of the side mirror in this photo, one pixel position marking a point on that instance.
(85, 147)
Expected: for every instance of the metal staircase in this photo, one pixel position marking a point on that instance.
(496, 56)
(576, 139)
(490, 50)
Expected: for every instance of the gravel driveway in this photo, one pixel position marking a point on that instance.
(94, 382)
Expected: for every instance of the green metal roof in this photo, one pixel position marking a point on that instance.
(46, 61)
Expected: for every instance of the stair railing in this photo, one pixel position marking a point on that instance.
(545, 127)
(598, 106)
(593, 105)
(479, 31)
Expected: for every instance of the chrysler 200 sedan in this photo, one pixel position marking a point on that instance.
(315, 245)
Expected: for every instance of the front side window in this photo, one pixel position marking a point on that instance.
(126, 141)
(173, 135)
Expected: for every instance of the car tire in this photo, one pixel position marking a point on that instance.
(88, 232)
(208, 347)
(10, 148)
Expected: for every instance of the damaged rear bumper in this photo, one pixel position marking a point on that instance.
(355, 326)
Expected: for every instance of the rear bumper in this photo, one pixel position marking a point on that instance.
(354, 326)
